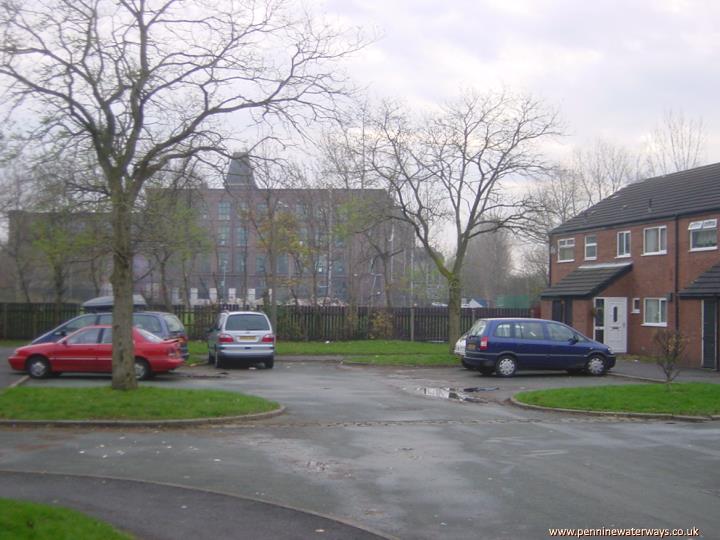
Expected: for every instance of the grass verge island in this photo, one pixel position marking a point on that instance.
(20, 520)
(145, 403)
(417, 360)
(695, 399)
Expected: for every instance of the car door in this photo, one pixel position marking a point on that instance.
(566, 351)
(214, 331)
(77, 352)
(103, 358)
(532, 346)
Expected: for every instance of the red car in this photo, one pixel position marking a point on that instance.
(90, 350)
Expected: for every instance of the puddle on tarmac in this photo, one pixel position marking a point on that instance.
(458, 394)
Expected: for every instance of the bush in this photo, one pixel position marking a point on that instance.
(381, 325)
(670, 346)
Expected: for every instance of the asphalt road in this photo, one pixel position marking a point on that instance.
(7, 375)
(367, 446)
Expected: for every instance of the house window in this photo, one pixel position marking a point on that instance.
(599, 321)
(566, 250)
(590, 247)
(655, 312)
(224, 210)
(260, 264)
(240, 263)
(283, 264)
(703, 235)
(240, 236)
(623, 244)
(223, 235)
(636, 305)
(655, 241)
(223, 262)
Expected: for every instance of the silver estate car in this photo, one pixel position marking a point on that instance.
(243, 338)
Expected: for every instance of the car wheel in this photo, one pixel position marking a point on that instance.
(38, 367)
(486, 371)
(506, 366)
(466, 365)
(269, 363)
(211, 359)
(218, 360)
(142, 369)
(596, 365)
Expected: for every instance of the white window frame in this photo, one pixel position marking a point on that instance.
(589, 244)
(702, 225)
(662, 310)
(565, 243)
(635, 305)
(662, 230)
(619, 255)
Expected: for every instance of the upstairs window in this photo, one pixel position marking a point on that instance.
(623, 244)
(223, 235)
(224, 210)
(590, 247)
(241, 236)
(566, 250)
(703, 235)
(655, 241)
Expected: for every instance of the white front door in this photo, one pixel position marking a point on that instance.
(616, 324)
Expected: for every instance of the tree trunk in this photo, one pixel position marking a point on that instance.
(123, 350)
(454, 303)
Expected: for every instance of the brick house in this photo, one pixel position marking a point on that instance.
(643, 259)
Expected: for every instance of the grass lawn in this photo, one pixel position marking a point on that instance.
(13, 343)
(679, 398)
(443, 359)
(145, 403)
(378, 352)
(23, 520)
(361, 348)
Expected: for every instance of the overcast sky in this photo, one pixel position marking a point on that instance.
(612, 68)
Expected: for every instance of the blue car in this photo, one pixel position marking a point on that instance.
(504, 346)
(164, 325)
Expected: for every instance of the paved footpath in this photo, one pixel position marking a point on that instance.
(160, 512)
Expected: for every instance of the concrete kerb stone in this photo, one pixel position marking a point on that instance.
(647, 416)
(189, 422)
(635, 377)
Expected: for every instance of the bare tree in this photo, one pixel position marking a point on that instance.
(602, 169)
(676, 144)
(453, 170)
(142, 83)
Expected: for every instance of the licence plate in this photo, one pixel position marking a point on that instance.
(246, 338)
(470, 347)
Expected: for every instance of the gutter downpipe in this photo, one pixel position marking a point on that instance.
(676, 276)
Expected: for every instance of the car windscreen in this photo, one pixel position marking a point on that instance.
(174, 324)
(246, 321)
